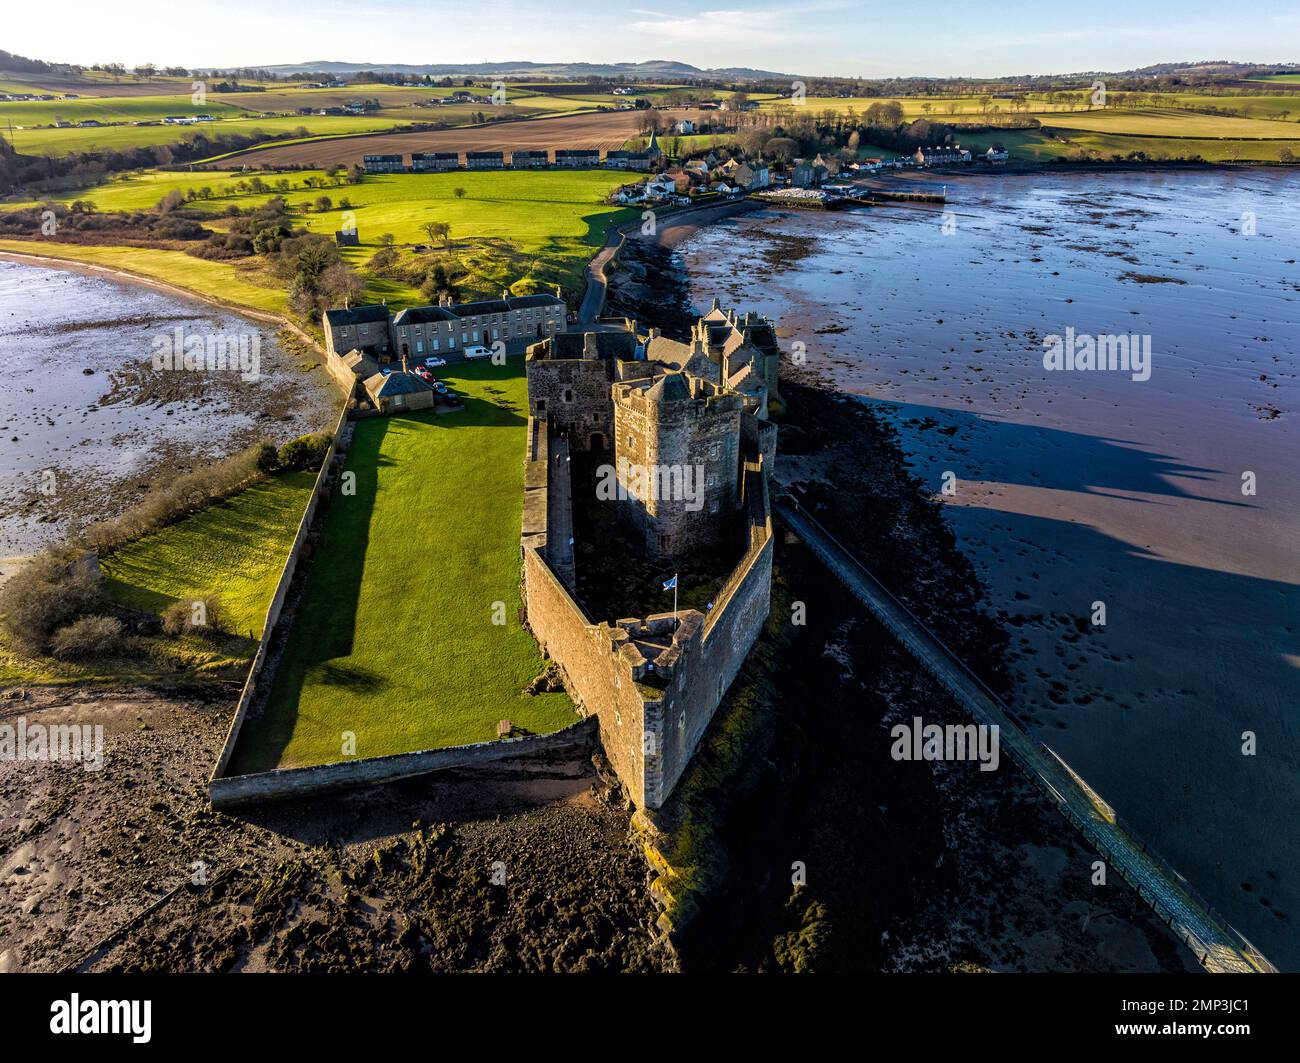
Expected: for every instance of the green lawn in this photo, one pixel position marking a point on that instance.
(524, 231)
(233, 550)
(394, 639)
(241, 285)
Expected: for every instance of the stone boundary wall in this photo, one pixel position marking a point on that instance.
(599, 683)
(277, 600)
(285, 783)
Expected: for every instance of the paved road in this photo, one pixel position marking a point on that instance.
(1220, 948)
(593, 296)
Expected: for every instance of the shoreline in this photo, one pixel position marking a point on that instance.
(826, 437)
(90, 269)
(1043, 531)
(114, 436)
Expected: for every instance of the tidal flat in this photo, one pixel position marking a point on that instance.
(88, 424)
(1074, 489)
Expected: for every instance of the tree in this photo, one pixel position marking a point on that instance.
(339, 284)
(458, 192)
(437, 231)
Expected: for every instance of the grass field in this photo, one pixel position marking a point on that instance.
(238, 285)
(522, 231)
(62, 141)
(1173, 123)
(271, 111)
(233, 551)
(395, 640)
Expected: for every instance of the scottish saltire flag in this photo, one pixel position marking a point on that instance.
(671, 585)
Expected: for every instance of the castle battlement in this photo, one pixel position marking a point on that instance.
(685, 427)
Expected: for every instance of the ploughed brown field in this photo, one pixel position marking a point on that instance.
(606, 131)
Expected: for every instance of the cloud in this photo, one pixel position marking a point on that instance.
(724, 28)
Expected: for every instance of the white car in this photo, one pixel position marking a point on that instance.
(477, 352)
(434, 362)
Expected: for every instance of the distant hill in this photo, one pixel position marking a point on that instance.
(664, 69)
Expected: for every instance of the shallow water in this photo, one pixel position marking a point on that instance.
(107, 434)
(1073, 488)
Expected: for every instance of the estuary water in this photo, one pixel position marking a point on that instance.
(87, 424)
(1162, 500)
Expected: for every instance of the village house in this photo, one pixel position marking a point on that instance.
(805, 174)
(577, 157)
(752, 176)
(445, 330)
(529, 160)
(941, 155)
(383, 164)
(399, 391)
(628, 160)
(485, 160)
(661, 186)
(434, 161)
(358, 328)
(997, 154)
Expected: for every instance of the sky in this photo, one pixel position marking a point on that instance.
(865, 38)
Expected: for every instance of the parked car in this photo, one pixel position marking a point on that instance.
(435, 361)
(425, 375)
(475, 351)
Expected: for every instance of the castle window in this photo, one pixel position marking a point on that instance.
(713, 452)
(568, 394)
(541, 405)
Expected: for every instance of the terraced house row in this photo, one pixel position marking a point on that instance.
(444, 330)
(565, 158)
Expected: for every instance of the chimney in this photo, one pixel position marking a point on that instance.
(589, 345)
(404, 369)
(505, 295)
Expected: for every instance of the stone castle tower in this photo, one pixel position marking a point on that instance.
(677, 458)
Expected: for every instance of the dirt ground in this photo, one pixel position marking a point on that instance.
(606, 130)
(526, 869)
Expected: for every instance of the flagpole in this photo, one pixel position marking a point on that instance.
(674, 601)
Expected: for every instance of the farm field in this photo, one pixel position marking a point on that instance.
(63, 141)
(232, 551)
(273, 110)
(92, 83)
(531, 230)
(110, 109)
(971, 108)
(605, 131)
(394, 639)
(1173, 123)
(1032, 145)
